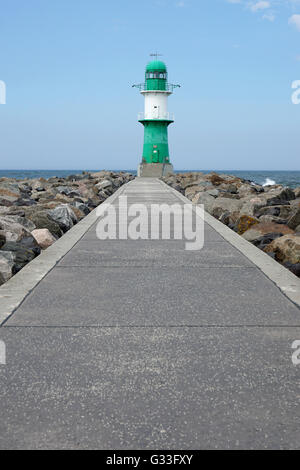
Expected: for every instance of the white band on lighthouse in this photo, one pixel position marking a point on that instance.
(156, 104)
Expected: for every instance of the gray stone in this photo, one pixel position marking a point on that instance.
(213, 192)
(41, 219)
(104, 184)
(280, 198)
(2, 238)
(294, 221)
(250, 207)
(64, 216)
(282, 211)
(68, 191)
(222, 204)
(206, 200)
(22, 254)
(7, 265)
(27, 223)
(16, 232)
(82, 207)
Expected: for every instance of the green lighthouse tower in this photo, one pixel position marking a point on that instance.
(156, 119)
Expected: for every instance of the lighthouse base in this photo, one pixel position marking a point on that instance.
(155, 170)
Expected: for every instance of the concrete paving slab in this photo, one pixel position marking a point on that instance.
(86, 296)
(153, 388)
(158, 253)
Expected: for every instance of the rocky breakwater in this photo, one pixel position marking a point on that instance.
(268, 217)
(34, 213)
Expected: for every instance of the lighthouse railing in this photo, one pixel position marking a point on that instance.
(160, 117)
(168, 87)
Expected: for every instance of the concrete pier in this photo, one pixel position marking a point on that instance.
(122, 344)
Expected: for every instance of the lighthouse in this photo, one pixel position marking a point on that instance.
(156, 120)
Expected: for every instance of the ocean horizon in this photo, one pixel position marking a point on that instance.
(268, 177)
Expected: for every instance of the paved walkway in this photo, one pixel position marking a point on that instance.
(142, 344)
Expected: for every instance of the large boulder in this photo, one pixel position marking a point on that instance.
(64, 216)
(104, 184)
(84, 208)
(43, 237)
(41, 219)
(15, 232)
(261, 229)
(294, 220)
(265, 240)
(266, 219)
(286, 249)
(22, 254)
(38, 185)
(2, 238)
(282, 211)
(244, 223)
(297, 192)
(86, 190)
(27, 223)
(68, 191)
(9, 193)
(251, 206)
(281, 197)
(7, 265)
(205, 199)
(222, 204)
(247, 189)
(192, 190)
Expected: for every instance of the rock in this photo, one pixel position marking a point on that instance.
(191, 191)
(244, 223)
(7, 265)
(82, 207)
(228, 195)
(294, 220)
(38, 185)
(215, 179)
(297, 229)
(2, 238)
(104, 184)
(222, 204)
(27, 223)
(23, 255)
(64, 216)
(251, 206)
(282, 211)
(25, 201)
(43, 237)
(265, 240)
(259, 230)
(286, 249)
(86, 191)
(246, 190)
(68, 191)
(213, 192)
(281, 197)
(9, 193)
(297, 192)
(266, 219)
(229, 218)
(205, 199)
(42, 220)
(229, 188)
(15, 232)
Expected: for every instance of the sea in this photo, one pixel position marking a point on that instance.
(286, 178)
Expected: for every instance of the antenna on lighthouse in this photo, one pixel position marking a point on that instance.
(156, 55)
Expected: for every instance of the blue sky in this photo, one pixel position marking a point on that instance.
(69, 65)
